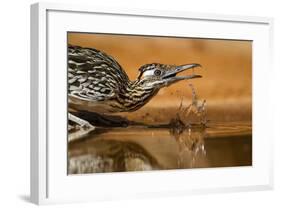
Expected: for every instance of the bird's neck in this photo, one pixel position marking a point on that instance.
(133, 96)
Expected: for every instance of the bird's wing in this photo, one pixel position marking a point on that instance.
(92, 74)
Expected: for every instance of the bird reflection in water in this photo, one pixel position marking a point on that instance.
(112, 156)
(102, 154)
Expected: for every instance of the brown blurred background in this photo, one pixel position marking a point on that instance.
(227, 72)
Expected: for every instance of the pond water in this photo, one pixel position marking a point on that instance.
(139, 148)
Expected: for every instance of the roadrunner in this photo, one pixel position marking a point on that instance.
(97, 83)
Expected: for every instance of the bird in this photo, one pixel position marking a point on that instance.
(98, 83)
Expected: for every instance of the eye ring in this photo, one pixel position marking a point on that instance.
(157, 72)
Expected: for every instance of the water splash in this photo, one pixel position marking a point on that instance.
(194, 114)
(197, 107)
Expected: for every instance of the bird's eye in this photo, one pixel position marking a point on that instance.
(157, 72)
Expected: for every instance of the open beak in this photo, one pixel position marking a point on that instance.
(170, 77)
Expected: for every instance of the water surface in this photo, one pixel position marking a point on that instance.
(137, 148)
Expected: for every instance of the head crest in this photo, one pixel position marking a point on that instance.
(148, 67)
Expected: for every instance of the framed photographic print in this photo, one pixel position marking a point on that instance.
(132, 103)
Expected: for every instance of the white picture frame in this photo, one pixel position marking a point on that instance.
(49, 181)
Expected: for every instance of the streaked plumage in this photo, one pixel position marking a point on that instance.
(97, 83)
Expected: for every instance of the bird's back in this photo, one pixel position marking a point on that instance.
(94, 79)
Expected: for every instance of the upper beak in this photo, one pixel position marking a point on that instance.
(171, 75)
